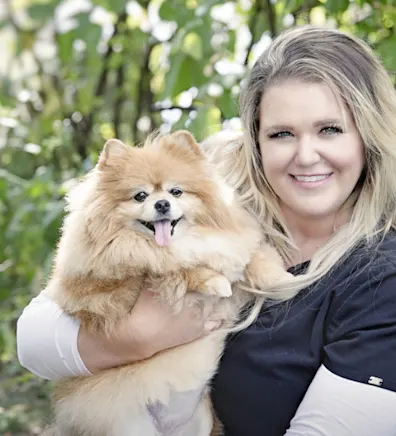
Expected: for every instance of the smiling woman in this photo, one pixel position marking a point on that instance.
(312, 152)
(317, 164)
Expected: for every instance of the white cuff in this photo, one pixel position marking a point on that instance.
(47, 340)
(335, 406)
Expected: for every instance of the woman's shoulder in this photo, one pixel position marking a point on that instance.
(365, 277)
(376, 260)
(377, 255)
(364, 281)
(385, 251)
(361, 318)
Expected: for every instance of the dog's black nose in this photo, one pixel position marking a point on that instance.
(162, 206)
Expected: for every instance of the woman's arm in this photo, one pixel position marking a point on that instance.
(336, 406)
(47, 340)
(51, 344)
(354, 392)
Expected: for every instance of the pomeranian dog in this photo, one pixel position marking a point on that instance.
(159, 213)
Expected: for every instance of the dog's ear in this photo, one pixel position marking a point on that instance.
(113, 151)
(186, 139)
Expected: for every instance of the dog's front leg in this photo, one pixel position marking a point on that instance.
(98, 304)
(266, 269)
(174, 286)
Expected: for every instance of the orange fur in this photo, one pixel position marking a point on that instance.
(105, 254)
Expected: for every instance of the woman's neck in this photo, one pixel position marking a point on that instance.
(310, 234)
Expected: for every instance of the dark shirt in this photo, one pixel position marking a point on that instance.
(346, 322)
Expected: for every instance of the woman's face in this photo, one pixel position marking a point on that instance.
(311, 150)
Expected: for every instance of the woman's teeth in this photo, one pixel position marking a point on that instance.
(311, 178)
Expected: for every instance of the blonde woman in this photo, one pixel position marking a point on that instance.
(317, 165)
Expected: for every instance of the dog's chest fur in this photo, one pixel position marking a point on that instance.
(226, 255)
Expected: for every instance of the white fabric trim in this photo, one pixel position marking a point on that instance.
(47, 340)
(335, 406)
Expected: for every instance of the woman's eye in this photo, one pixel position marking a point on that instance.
(176, 192)
(278, 135)
(331, 130)
(140, 196)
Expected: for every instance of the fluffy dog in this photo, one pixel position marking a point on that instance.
(161, 213)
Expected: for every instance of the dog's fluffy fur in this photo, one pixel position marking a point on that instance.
(108, 250)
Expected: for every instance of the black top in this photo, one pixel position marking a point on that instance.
(347, 322)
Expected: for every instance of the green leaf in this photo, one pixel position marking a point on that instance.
(86, 97)
(260, 27)
(205, 123)
(115, 6)
(184, 73)
(228, 104)
(231, 41)
(172, 75)
(65, 46)
(189, 74)
(176, 10)
(387, 52)
(87, 30)
(192, 45)
(8, 343)
(3, 24)
(335, 7)
(6, 93)
(293, 5)
(204, 30)
(54, 212)
(42, 11)
(25, 41)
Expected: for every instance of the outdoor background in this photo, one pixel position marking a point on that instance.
(77, 72)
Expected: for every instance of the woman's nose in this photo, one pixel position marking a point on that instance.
(306, 152)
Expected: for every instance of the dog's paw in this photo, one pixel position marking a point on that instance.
(217, 285)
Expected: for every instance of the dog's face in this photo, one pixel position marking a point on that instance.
(160, 209)
(162, 189)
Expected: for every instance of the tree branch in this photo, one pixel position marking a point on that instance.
(119, 100)
(257, 8)
(83, 129)
(305, 7)
(271, 18)
(184, 109)
(145, 98)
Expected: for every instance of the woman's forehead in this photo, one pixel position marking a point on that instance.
(295, 102)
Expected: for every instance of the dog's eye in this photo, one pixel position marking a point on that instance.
(176, 192)
(140, 196)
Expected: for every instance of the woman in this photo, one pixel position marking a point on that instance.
(317, 165)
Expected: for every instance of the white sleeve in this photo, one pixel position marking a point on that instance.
(47, 340)
(335, 406)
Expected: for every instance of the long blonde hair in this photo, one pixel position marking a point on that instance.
(358, 79)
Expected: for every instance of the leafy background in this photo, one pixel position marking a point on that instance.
(77, 72)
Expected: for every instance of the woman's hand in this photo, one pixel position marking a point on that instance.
(152, 326)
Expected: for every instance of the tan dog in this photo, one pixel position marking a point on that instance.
(157, 212)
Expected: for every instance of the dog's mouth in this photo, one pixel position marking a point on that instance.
(163, 229)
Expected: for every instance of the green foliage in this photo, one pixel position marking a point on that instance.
(77, 73)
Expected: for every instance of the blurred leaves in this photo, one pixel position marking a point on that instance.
(77, 72)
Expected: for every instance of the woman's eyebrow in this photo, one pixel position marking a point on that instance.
(276, 127)
(327, 121)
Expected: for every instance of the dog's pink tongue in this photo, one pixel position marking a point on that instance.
(162, 232)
